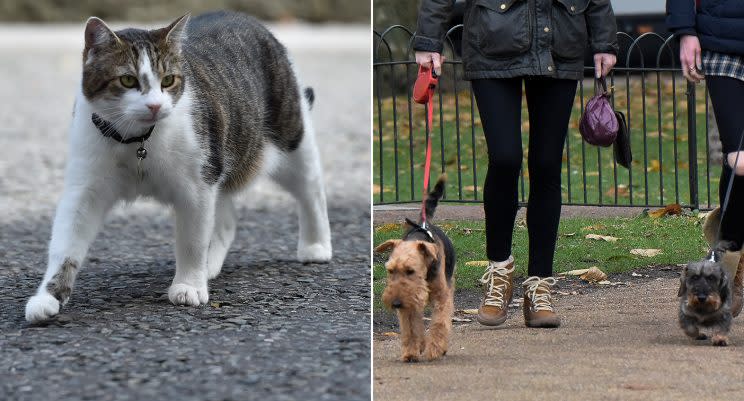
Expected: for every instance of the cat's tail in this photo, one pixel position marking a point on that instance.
(310, 96)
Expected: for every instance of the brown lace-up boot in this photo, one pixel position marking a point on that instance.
(499, 290)
(538, 308)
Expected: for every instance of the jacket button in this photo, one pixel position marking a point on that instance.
(573, 8)
(546, 29)
(550, 68)
(503, 6)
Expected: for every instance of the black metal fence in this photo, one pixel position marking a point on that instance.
(667, 118)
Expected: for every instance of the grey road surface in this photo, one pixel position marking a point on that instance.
(275, 328)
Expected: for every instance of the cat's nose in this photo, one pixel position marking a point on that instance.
(154, 107)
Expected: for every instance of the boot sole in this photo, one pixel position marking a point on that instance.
(491, 322)
(543, 325)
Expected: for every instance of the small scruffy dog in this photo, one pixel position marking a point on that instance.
(705, 301)
(419, 270)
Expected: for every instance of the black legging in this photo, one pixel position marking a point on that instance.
(549, 102)
(727, 96)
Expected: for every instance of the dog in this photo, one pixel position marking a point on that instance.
(705, 301)
(420, 270)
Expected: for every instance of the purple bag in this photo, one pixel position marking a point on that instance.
(598, 124)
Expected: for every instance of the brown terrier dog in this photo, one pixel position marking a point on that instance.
(419, 270)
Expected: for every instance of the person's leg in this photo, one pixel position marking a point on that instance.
(500, 106)
(727, 96)
(549, 102)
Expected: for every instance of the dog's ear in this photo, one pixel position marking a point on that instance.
(723, 285)
(389, 244)
(682, 283)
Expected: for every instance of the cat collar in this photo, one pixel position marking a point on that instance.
(108, 131)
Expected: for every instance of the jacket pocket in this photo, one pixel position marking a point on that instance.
(501, 28)
(570, 35)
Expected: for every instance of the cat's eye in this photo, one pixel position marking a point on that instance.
(128, 81)
(167, 81)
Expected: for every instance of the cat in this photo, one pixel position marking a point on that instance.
(188, 115)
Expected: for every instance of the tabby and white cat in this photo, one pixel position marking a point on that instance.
(187, 114)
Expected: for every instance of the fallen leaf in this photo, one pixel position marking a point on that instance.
(477, 263)
(622, 191)
(390, 334)
(649, 253)
(578, 272)
(470, 311)
(668, 210)
(607, 238)
(594, 274)
(569, 234)
(387, 228)
(654, 166)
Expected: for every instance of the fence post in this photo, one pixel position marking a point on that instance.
(692, 145)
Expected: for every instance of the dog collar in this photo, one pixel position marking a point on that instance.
(420, 228)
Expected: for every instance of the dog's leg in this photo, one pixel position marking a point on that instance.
(223, 234)
(411, 334)
(195, 217)
(78, 219)
(690, 327)
(441, 323)
(301, 174)
(721, 330)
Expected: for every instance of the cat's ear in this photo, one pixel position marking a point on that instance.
(175, 33)
(97, 33)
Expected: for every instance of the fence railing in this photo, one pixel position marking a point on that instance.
(667, 118)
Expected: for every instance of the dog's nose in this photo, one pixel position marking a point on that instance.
(702, 297)
(397, 304)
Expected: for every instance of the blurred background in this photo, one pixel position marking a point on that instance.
(144, 10)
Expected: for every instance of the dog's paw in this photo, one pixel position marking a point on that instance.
(701, 337)
(719, 340)
(184, 294)
(433, 352)
(41, 307)
(314, 253)
(409, 358)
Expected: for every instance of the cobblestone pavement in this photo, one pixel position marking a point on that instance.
(275, 328)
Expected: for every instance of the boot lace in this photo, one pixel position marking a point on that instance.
(540, 300)
(497, 279)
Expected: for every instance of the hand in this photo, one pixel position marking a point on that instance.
(429, 59)
(689, 55)
(603, 63)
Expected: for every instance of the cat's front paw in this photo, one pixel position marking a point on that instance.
(41, 307)
(184, 294)
(314, 253)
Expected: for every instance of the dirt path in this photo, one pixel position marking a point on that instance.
(615, 344)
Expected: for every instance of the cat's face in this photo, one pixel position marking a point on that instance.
(133, 77)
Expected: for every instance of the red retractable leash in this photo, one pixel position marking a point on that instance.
(423, 93)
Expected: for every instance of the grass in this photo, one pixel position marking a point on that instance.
(679, 238)
(658, 176)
